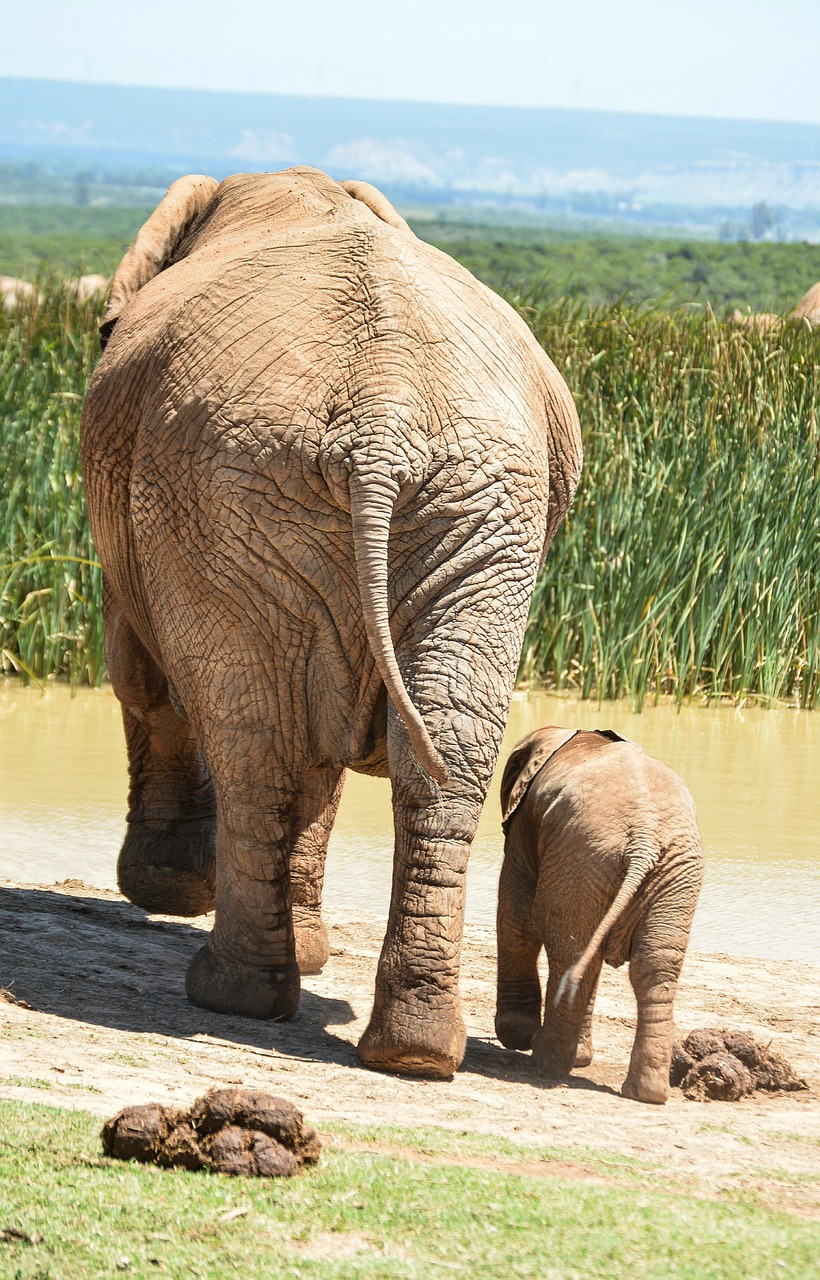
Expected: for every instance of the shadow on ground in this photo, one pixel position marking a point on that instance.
(108, 963)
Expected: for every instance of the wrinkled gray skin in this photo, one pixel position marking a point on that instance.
(322, 464)
(602, 861)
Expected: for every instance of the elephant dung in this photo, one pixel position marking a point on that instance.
(680, 1066)
(774, 1073)
(234, 1131)
(727, 1065)
(699, 1044)
(720, 1076)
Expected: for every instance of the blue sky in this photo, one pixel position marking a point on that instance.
(731, 58)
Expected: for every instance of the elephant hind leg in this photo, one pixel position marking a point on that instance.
(313, 818)
(518, 999)
(585, 1052)
(166, 863)
(654, 968)
(560, 1043)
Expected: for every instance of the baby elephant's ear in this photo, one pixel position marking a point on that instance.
(525, 761)
(157, 243)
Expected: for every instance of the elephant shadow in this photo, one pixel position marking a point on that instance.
(486, 1057)
(107, 963)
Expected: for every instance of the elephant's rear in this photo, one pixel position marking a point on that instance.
(249, 392)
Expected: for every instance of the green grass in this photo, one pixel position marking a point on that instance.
(359, 1215)
(689, 565)
(462, 1144)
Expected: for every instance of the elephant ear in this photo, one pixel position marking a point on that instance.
(378, 203)
(526, 759)
(611, 735)
(157, 243)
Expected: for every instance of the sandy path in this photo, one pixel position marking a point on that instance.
(109, 1024)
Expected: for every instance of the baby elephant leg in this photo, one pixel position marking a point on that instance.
(556, 1046)
(654, 968)
(518, 1004)
(585, 1052)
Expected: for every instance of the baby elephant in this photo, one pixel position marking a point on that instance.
(602, 861)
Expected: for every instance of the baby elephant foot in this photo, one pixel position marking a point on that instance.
(551, 1057)
(251, 992)
(584, 1053)
(516, 1026)
(312, 949)
(168, 867)
(414, 1040)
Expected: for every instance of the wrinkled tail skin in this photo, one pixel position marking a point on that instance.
(642, 857)
(371, 506)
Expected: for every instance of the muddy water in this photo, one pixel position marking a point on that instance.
(754, 776)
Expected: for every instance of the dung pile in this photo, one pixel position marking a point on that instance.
(728, 1065)
(235, 1131)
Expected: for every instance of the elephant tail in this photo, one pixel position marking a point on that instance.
(371, 508)
(643, 858)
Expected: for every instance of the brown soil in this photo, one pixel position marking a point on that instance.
(95, 1016)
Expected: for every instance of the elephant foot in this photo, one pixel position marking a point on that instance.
(515, 1028)
(168, 867)
(245, 990)
(584, 1053)
(423, 1042)
(647, 1085)
(552, 1059)
(312, 948)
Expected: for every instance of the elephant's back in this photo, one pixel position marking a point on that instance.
(605, 792)
(293, 263)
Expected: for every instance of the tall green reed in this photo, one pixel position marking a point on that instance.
(690, 562)
(688, 566)
(50, 582)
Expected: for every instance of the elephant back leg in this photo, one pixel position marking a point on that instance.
(313, 818)
(518, 998)
(564, 1039)
(585, 1051)
(458, 666)
(166, 863)
(254, 736)
(658, 950)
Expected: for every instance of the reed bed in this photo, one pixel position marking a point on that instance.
(50, 581)
(689, 565)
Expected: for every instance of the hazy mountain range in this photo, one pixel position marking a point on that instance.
(421, 152)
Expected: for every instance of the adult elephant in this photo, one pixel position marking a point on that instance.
(323, 464)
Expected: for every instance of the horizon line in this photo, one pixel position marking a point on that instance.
(415, 102)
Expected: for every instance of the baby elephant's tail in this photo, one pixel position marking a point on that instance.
(643, 858)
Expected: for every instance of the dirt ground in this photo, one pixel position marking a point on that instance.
(95, 1016)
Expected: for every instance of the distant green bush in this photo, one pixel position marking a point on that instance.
(65, 239)
(607, 269)
(596, 268)
(689, 564)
